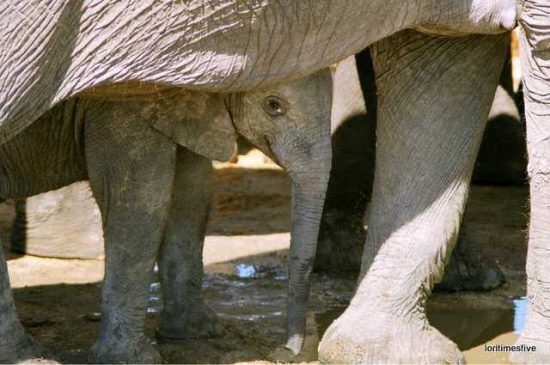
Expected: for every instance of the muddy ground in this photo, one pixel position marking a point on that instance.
(245, 252)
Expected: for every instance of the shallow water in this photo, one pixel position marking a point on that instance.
(255, 292)
(520, 309)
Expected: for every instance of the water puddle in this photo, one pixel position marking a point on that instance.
(471, 327)
(255, 293)
(467, 327)
(520, 310)
(251, 271)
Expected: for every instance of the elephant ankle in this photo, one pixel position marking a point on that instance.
(191, 321)
(385, 338)
(124, 351)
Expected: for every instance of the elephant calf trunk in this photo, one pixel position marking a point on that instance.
(307, 206)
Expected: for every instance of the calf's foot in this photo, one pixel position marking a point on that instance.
(107, 351)
(196, 321)
(379, 338)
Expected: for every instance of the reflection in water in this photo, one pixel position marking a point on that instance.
(520, 309)
(249, 271)
(246, 271)
(467, 327)
(258, 317)
(470, 327)
(155, 288)
(257, 293)
(155, 297)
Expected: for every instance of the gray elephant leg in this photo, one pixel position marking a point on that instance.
(501, 160)
(342, 233)
(15, 343)
(535, 56)
(468, 269)
(185, 315)
(425, 155)
(131, 168)
(502, 155)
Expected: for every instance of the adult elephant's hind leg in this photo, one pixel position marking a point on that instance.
(185, 314)
(131, 168)
(434, 96)
(15, 343)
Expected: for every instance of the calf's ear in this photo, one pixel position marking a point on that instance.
(198, 121)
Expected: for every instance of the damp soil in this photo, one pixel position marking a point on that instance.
(245, 257)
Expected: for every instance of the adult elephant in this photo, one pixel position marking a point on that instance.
(501, 161)
(427, 142)
(58, 49)
(534, 17)
(78, 45)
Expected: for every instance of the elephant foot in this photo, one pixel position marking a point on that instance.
(379, 338)
(341, 240)
(469, 270)
(540, 354)
(197, 321)
(20, 348)
(124, 352)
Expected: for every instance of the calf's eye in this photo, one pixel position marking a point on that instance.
(274, 106)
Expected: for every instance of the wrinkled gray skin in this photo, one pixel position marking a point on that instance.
(80, 44)
(342, 234)
(155, 193)
(56, 49)
(534, 18)
(501, 161)
(427, 142)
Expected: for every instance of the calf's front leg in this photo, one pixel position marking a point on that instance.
(434, 96)
(185, 314)
(131, 169)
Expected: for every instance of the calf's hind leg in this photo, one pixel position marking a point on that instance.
(185, 315)
(131, 169)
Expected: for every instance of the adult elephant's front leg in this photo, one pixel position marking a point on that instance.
(131, 168)
(434, 97)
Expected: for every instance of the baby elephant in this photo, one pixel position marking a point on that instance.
(143, 149)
